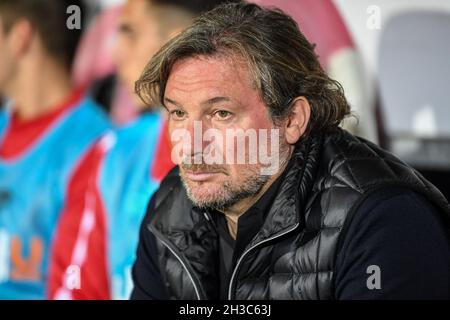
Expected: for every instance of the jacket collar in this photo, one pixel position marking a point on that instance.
(286, 210)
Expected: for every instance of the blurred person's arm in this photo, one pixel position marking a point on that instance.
(78, 260)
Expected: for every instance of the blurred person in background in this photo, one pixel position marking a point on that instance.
(139, 156)
(46, 134)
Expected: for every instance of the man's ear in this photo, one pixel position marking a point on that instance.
(298, 120)
(21, 37)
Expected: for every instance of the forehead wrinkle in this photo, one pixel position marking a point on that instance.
(194, 74)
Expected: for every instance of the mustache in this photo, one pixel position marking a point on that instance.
(203, 167)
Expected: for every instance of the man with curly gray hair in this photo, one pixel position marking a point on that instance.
(336, 217)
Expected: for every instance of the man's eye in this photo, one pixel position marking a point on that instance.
(178, 114)
(222, 114)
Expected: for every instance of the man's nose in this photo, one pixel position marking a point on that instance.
(193, 140)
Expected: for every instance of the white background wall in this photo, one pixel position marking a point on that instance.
(355, 15)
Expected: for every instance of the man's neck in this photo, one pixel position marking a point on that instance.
(39, 88)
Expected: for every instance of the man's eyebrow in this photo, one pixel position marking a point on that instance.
(167, 100)
(217, 100)
(207, 102)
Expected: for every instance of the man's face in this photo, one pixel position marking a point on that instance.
(218, 95)
(139, 38)
(6, 60)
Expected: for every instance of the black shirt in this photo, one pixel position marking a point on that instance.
(395, 229)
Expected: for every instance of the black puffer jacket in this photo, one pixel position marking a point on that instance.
(293, 255)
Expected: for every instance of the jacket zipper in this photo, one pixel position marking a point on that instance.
(250, 249)
(183, 264)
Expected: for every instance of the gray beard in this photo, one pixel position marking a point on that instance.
(228, 195)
